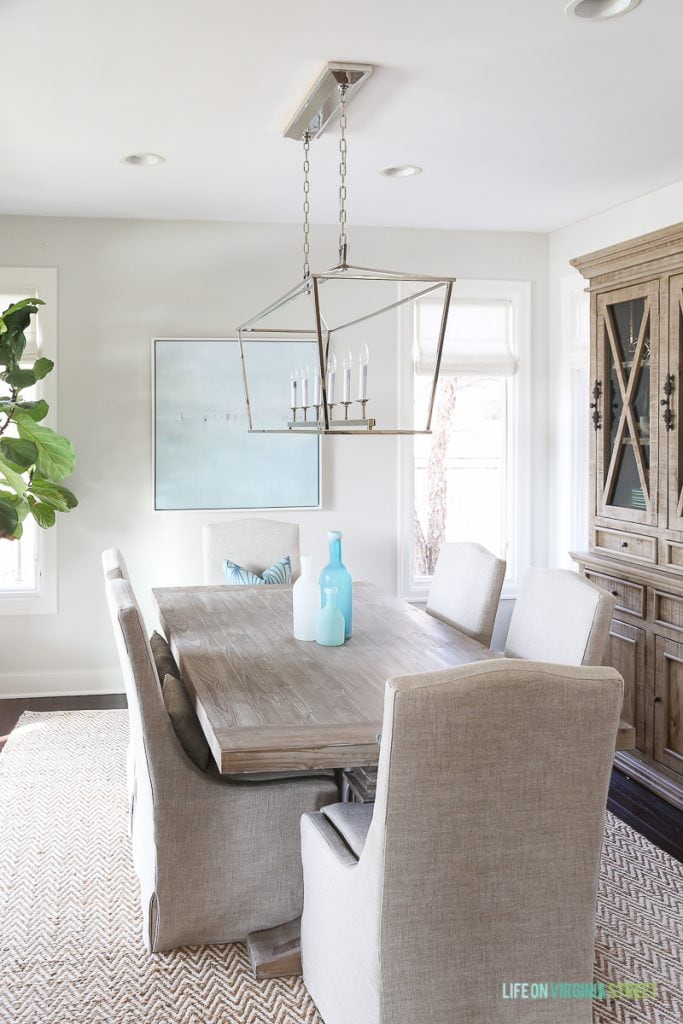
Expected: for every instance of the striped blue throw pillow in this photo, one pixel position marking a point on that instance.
(279, 572)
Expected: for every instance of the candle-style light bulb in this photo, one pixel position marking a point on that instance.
(317, 399)
(293, 378)
(346, 382)
(363, 373)
(331, 378)
(305, 374)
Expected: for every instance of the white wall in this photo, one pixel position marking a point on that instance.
(122, 283)
(647, 213)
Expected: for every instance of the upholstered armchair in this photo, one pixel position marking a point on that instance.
(254, 544)
(215, 859)
(561, 617)
(478, 863)
(465, 589)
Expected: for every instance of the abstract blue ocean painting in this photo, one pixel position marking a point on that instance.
(204, 457)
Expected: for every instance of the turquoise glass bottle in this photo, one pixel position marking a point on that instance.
(335, 574)
(330, 629)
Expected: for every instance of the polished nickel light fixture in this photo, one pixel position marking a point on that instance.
(299, 354)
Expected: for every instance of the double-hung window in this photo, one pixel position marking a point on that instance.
(469, 479)
(28, 581)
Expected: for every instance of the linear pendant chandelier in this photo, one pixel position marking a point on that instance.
(334, 354)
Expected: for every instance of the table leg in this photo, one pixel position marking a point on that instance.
(276, 952)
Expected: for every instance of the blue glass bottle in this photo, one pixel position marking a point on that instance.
(330, 628)
(335, 574)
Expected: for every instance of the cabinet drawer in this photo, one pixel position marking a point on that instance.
(668, 610)
(630, 596)
(628, 545)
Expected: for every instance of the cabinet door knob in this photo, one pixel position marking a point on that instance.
(615, 593)
(624, 543)
(656, 700)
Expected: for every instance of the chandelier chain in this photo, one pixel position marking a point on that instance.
(307, 207)
(343, 237)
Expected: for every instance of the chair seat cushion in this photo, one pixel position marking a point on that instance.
(352, 822)
(185, 722)
(279, 572)
(163, 659)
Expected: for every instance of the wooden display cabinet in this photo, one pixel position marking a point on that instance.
(636, 489)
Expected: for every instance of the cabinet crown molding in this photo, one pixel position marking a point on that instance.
(654, 253)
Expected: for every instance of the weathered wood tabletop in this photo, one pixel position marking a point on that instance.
(268, 702)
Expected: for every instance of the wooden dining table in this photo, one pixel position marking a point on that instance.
(268, 702)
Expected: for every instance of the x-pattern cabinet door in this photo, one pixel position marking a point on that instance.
(627, 430)
(673, 409)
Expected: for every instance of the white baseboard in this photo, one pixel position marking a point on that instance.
(59, 684)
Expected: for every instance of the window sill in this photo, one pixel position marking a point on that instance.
(31, 603)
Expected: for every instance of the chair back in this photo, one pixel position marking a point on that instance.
(487, 831)
(466, 588)
(149, 722)
(255, 544)
(114, 565)
(560, 617)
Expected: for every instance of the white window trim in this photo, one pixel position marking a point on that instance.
(41, 282)
(576, 356)
(519, 505)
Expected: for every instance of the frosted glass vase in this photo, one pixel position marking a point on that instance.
(335, 574)
(305, 602)
(330, 629)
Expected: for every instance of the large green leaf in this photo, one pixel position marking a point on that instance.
(19, 378)
(54, 495)
(31, 304)
(42, 367)
(12, 477)
(13, 323)
(19, 453)
(9, 519)
(56, 456)
(36, 410)
(43, 514)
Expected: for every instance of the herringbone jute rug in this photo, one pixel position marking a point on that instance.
(70, 947)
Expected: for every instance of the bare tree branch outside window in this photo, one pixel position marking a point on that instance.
(428, 543)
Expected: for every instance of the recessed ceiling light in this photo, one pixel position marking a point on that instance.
(144, 159)
(401, 171)
(599, 10)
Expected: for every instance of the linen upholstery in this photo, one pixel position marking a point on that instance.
(465, 589)
(214, 860)
(352, 821)
(185, 722)
(114, 568)
(114, 565)
(561, 617)
(481, 861)
(164, 662)
(255, 544)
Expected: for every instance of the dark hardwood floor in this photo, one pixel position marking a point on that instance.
(647, 813)
(658, 821)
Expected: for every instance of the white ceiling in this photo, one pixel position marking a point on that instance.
(522, 118)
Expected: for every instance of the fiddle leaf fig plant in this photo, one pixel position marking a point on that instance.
(34, 459)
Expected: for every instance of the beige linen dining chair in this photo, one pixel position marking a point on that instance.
(465, 589)
(114, 565)
(255, 544)
(478, 863)
(114, 568)
(215, 858)
(561, 617)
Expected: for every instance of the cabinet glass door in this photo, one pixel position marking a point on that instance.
(673, 408)
(627, 328)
